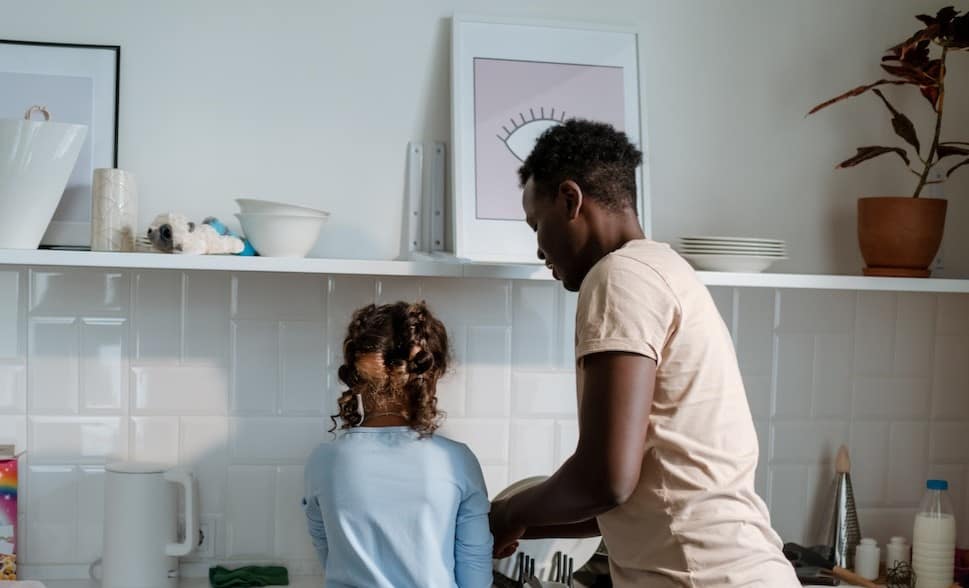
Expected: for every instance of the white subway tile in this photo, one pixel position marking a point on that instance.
(820, 488)
(255, 364)
(832, 375)
(452, 388)
(795, 375)
(488, 439)
(758, 393)
(570, 302)
(535, 316)
(952, 314)
(157, 316)
(53, 367)
(276, 440)
(755, 329)
(13, 430)
(79, 292)
(869, 462)
(544, 394)
(915, 332)
(11, 314)
(180, 390)
(882, 524)
(949, 444)
(90, 513)
(266, 297)
(302, 366)
(52, 515)
(496, 479)
(816, 311)
(875, 330)
(723, 299)
(205, 329)
(393, 289)
(469, 301)
(292, 539)
(789, 502)
(345, 295)
(899, 398)
(567, 439)
(808, 442)
(154, 439)
(950, 399)
(250, 511)
(13, 389)
(77, 439)
(489, 371)
(532, 448)
(104, 365)
(203, 448)
(908, 455)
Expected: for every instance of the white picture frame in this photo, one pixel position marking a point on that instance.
(483, 227)
(78, 84)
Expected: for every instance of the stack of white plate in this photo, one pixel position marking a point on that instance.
(732, 254)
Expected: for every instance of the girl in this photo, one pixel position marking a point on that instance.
(388, 503)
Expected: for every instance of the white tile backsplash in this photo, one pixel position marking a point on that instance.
(233, 377)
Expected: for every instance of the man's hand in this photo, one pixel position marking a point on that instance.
(505, 531)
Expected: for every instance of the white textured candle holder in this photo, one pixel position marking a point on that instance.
(114, 210)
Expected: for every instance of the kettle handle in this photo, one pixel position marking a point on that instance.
(187, 545)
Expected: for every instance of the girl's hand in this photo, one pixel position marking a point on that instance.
(506, 532)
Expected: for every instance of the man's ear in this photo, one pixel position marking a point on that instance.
(571, 195)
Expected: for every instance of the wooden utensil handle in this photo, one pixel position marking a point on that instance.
(849, 576)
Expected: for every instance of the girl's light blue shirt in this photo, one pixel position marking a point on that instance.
(387, 509)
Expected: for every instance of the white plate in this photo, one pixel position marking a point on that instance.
(731, 239)
(698, 249)
(774, 256)
(543, 550)
(731, 263)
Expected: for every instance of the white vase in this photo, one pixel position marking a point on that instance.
(36, 160)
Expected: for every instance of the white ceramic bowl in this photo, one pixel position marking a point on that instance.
(543, 550)
(253, 206)
(731, 263)
(277, 235)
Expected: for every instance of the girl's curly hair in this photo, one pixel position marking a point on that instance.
(393, 355)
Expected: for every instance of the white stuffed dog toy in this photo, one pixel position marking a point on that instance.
(173, 233)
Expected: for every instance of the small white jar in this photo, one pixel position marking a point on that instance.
(867, 559)
(897, 551)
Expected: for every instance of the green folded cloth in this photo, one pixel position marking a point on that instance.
(221, 577)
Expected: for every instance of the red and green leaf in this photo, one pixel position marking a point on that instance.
(902, 124)
(856, 92)
(957, 166)
(871, 152)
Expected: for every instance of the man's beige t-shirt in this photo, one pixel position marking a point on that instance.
(694, 519)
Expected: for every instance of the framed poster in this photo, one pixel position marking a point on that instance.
(77, 84)
(511, 82)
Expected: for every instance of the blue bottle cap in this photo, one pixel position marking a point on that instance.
(937, 485)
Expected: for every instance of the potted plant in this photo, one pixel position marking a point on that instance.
(899, 236)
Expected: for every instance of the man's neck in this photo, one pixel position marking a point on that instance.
(614, 233)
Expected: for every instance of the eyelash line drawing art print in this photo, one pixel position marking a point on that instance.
(521, 138)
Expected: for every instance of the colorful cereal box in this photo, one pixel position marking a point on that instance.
(8, 513)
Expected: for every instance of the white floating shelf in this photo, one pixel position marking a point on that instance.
(446, 269)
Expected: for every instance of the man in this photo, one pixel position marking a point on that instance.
(664, 466)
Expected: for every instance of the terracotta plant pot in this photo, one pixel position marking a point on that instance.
(900, 236)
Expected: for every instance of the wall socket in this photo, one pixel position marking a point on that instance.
(206, 542)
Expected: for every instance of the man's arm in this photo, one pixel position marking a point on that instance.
(581, 530)
(604, 470)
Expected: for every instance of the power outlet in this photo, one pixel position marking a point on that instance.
(206, 540)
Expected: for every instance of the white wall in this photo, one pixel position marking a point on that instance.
(218, 373)
(314, 102)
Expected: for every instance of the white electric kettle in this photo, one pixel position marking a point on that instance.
(141, 525)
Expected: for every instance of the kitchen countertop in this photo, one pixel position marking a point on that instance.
(295, 582)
